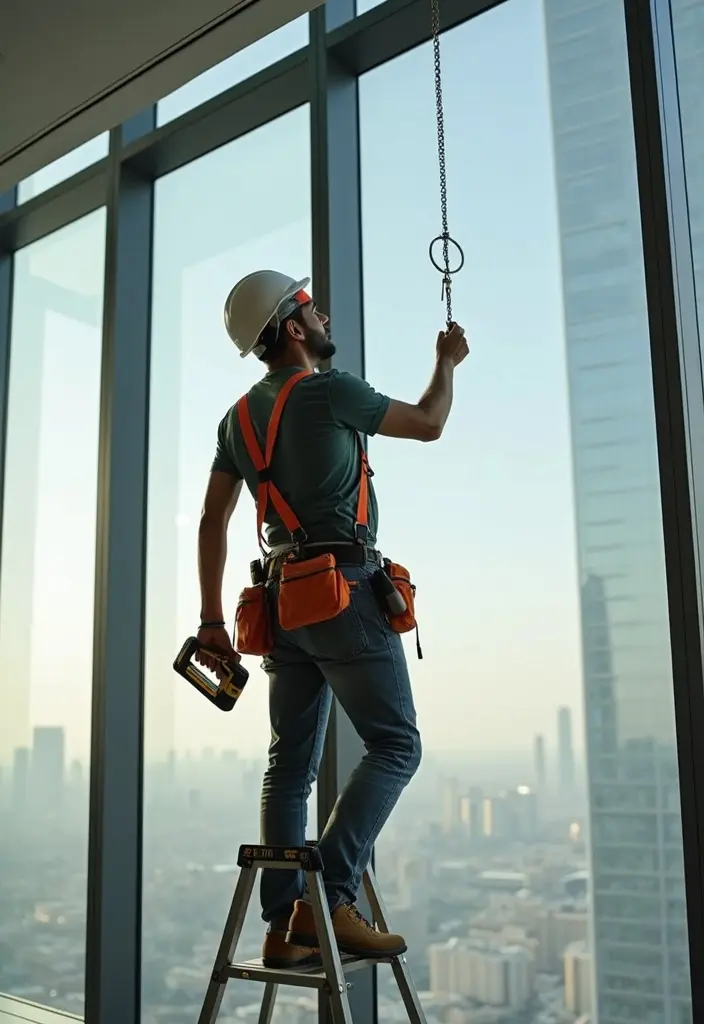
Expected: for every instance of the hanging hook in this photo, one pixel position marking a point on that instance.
(447, 271)
(449, 240)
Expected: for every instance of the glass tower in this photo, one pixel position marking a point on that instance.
(639, 928)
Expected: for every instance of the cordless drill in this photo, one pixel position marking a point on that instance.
(231, 680)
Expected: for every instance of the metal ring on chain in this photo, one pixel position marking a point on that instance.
(450, 241)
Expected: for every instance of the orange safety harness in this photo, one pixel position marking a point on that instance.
(267, 489)
(311, 588)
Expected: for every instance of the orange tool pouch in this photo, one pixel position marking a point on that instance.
(406, 621)
(401, 579)
(253, 622)
(311, 590)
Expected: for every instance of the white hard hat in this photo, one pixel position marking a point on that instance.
(264, 297)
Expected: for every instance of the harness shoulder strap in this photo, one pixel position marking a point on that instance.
(266, 488)
(276, 413)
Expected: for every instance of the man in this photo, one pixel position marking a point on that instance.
(355, 656)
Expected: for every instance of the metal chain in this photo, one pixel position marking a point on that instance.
(446, 280)
(445, 237)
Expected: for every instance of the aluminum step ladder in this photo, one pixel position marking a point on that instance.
(330, 977)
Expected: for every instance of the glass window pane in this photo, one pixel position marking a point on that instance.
(259, 55)
(533, 530)
(46, 613)
(366, 5)
(59, 170)
(688, 22)
(243, 207)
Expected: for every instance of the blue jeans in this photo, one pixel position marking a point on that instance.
(357, 658)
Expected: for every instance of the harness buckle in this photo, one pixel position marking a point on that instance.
(299, 536)
(361, 533)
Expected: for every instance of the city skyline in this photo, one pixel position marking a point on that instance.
(59, 766)
(511, 892)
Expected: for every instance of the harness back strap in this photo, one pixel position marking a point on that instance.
(361, 526)
(267, 489)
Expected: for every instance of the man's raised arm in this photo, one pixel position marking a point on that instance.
(425, 421)
(356, 404)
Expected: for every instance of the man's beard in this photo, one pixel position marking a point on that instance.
(320, 345)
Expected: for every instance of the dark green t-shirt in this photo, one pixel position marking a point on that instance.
(316, 458)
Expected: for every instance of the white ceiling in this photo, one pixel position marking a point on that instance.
(70, 69)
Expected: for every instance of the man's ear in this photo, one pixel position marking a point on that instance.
(294, 330)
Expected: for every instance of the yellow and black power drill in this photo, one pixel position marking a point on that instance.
(232, 676)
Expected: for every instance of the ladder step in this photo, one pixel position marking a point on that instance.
(329, 976)
(300, 858)
(311, 976)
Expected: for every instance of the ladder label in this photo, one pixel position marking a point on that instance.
(259, 852)
(307, 858)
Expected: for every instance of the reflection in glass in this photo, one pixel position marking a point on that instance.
(241, 208)
(520, 630)
(259, 55)
(66, 166)
(46, 613)
(688, 23)
(632, 754)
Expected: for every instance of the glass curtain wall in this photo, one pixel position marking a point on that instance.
(535, 864)
(533, 529)
(688, 26)
(46, 612)
(245, 205)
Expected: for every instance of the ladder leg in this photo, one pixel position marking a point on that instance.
(228, 945)
(330, 954)
(268, 1001)
(407, 990)
(399, 966)
(376, 900)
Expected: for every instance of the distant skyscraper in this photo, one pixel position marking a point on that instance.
(641, 962)
(47, 767)
(539, 763)
(565, 753)
(450, 806)
(501, 976)
(522, 804)
(412, 885)
(578, 978)
(471, 815)
(76, 774)
(20, 778)
(499, 819)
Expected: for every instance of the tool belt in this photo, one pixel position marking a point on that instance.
(311, 587)
(344, 554)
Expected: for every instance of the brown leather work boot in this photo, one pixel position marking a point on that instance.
(277, 952)
(354, 934)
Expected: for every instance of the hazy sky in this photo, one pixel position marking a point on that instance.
(495, 559)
